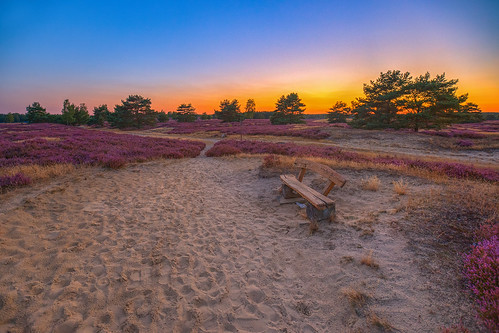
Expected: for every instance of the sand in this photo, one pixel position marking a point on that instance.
(203, 245)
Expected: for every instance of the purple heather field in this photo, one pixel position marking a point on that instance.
(48, 144)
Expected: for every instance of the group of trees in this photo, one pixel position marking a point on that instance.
(74, 115)
(230, 111)
(70, 115)
(397, 100)
(12, 118)
(289, 110)
(393, 100)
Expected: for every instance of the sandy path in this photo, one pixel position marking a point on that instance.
(202, 245)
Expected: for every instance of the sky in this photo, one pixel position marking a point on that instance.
(201, 52)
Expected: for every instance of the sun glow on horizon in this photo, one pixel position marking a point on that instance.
(202, 53)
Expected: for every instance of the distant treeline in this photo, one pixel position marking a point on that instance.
(393, 100)
(13, 118)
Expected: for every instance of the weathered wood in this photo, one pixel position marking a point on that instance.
(317, 215)
(287, 192)
(328, 189)
(321, 169)
(283, 201)
(302, 174)
(318, 200)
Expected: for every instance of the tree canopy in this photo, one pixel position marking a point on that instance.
(250, 109)
(229, 111)
(74, 115)
(397, 100)
(135, 111)
(338, 113)
(35, 113)
(289, 110)
(186, 113)
(101, 115)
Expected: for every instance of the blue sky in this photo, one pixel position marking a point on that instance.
(200, 52)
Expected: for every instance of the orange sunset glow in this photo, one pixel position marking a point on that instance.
(321, 52)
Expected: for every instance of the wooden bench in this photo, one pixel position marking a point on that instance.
(319, 206)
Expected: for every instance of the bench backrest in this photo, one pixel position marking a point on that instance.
(325, 171)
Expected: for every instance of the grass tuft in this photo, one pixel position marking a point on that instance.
(356, 298)
(371, 184)
(368, 260)
(400, 187)
(379, 322)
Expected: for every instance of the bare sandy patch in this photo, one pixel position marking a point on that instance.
(204, 245)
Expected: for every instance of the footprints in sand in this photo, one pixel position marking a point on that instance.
(198, 245)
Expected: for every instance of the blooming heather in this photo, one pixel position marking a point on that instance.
(48, 144)
(310, 130)
(450, 169)
(12, 181)
(468, 131)
(481, 268)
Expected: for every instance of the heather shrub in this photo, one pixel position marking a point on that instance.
(222, 150)
(50, 144)
(450, 169)
(11, 181)
(310, 130)
(481, 268)
(113, 162)
(466, 134)
(464, 143)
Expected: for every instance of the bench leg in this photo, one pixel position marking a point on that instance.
(288, 193)
(315, 215)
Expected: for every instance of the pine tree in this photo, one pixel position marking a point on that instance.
(186, 113)
(35, 113)
(250, 109)
(81, 115)
(338, 113)
(289, 110)
(135, 111)
(9, 118)
(101, 114)
(68, 112)
(229, 111)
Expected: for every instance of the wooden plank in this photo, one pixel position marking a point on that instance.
(315, 198)
(321, 169)
(287, 192)
(283, 201)
(302, 174)
(317, 215)
(328, 189)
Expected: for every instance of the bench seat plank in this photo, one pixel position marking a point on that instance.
(323, 170)
(315, 198)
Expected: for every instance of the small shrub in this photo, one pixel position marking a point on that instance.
(114, 162)
(223, 150)
(369, 261)
(466, 134)
(271, 161)
(464, 143)
(400, 187)
(356, 298)
(371, 184)
(380, 322)
(17, 180)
